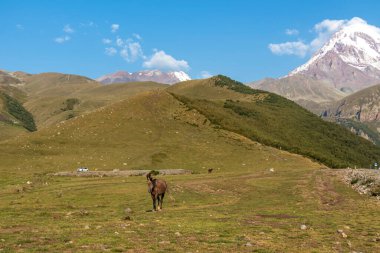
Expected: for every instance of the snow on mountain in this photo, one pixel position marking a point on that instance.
(145, 75)
(350, 58)
(180, 75)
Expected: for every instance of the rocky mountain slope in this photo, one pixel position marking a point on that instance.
(143, 76)
(360, 112)
(363, 105)
(300, 89)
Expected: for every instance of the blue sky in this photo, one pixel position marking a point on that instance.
(233, 38)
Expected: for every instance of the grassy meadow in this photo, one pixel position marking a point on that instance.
(241, 209)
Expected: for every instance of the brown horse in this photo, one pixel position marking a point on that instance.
(157, 189)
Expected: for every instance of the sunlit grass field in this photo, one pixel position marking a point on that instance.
(231, 210)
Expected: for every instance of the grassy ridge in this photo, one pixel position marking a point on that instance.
(278, 122)
(51, 101)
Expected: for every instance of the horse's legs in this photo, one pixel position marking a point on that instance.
(158, 202)
(154, 202)
(162, 199)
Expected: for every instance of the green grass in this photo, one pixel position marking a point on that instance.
(9, 130)
(217, 212)
(281, 123)
(51, 103)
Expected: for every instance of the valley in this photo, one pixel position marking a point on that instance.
(259, 196)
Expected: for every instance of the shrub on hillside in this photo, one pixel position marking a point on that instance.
(69, 104)
(15, 109)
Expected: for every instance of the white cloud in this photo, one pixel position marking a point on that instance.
(130, 51)
(88, 24)
(115, 27)
(205, 74)
(124, 54)
(163, 61)
(62, 39)
(119, 42)
(106, 41)
(110, 51)
(137, 36)
(292, 32)
(290, 48)
(68, 29)
(135, 51)
(20, 27)
(323, 32)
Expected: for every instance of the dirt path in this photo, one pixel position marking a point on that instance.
(119, 173)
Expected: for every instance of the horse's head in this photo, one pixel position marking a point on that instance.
(149, 176)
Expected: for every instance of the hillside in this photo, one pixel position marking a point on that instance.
(361, 110)
(227, 104)
(14, 118)
(151, 130)
(300, 88)
(363, 105)
(7, 78)
(54, 97)
(275, 121)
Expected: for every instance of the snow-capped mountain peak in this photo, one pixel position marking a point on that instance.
(145, 75)
(180, 75)
(350, 58)
(356, 43)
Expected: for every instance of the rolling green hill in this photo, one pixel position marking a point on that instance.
(229, 105)
(53, 97)
(49, 93)
(273, 120)
(152, 130)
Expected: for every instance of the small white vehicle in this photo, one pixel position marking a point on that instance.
(82, 169)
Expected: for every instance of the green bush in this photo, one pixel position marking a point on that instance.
(69, 104)
(224, 81)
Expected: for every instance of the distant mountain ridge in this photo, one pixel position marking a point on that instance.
(8, 78)
(145, 75)
(300, 88)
